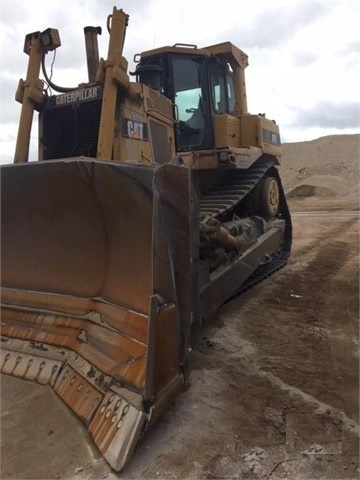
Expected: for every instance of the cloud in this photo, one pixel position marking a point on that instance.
(277, 25)
(8, 134)
(9, 107)
(329, 115)
(302, 59)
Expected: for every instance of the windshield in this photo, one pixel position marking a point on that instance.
(189, 102)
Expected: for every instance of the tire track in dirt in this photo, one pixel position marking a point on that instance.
(302, 310)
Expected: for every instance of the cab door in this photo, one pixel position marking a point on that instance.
(189, 92)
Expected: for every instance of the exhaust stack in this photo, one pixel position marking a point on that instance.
(92, 51)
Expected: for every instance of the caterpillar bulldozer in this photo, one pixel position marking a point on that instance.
(154, 199)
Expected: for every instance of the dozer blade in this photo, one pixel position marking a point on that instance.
(95, 289)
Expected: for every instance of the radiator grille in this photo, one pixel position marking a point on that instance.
(71, 130)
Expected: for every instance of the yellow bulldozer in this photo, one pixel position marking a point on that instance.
(154, 199)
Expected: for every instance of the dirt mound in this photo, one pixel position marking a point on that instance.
(319, 185)
(323, 173)
(304, 191)
(330, 162)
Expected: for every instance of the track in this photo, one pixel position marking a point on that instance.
(230, 192)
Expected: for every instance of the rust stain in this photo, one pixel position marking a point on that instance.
(82, 397)
(113, 353)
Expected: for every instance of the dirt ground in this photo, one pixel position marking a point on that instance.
(274, 385)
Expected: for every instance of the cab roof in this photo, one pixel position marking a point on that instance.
(231, 53)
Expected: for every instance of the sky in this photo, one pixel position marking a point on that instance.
(304, 56)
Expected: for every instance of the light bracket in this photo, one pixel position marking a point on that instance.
(50, 39)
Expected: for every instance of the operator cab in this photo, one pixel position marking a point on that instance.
(200, 86)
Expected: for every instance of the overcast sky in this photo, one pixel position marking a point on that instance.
(304, 56)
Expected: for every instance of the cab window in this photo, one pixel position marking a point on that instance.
(188, 99)
(222, 90)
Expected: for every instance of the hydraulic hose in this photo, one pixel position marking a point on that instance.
(52, 84)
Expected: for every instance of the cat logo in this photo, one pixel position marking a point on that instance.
(134, 129)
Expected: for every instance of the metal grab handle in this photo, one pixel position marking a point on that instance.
(186, 45)
(176, 111)
(108, 26)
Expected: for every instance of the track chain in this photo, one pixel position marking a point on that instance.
(232, 189)
(230, 192)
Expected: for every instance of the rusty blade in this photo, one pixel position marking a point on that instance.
(76, 261)
(116, 355)
(85, 246)
(96, 289)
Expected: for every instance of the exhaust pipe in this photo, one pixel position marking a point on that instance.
(92, 51)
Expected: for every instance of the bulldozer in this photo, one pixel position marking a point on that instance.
(155, 198)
